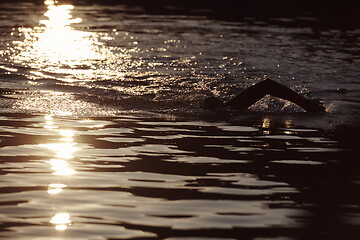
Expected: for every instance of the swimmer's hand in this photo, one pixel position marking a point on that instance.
(314, 106)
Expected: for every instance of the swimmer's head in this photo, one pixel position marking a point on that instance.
(213, 103)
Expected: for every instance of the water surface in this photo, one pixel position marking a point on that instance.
(103, 137)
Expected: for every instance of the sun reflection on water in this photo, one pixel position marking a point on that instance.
(59, 43)
(62, 46)
(49, 124)
(61, 167)
(64, 149)
(55, 44)
(61, 221)
(55, 188)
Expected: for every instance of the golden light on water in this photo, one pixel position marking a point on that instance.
(49, 124)
(61, 47)
(55, 43)
(49, 2)
(55, 188)
(61, 167)
(266, 123)
(59, 43)
(61, 221)
(67, 135)
(63, 150)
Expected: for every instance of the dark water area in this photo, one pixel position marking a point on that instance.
(328, 13)
(320, 14)
(102, 133)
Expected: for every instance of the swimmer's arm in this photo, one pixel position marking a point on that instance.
(254, 93)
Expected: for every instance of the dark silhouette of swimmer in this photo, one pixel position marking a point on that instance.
(250, 95)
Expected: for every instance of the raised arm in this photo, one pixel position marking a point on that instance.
(254, 93)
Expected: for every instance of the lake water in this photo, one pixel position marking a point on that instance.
(103, 135)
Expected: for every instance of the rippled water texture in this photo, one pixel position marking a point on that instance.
(102, 135)
(132, 177)
(94, 59)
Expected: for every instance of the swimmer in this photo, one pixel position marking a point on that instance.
(250, 95)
